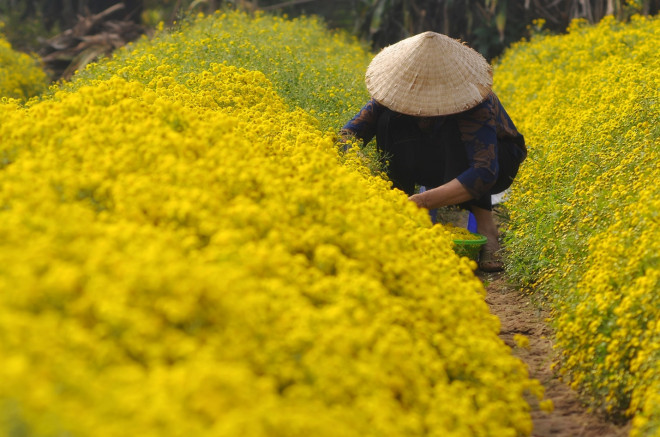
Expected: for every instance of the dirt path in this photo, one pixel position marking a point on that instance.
(519, 315)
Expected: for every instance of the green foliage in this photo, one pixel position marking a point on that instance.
(23, 29)
(487, 25)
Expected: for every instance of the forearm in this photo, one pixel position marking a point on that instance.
(451, 193)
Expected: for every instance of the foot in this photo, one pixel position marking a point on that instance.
(490, 259)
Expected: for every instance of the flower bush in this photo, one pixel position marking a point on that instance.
(310, 67)
(20, 75)
(584, 225)
(182, 252)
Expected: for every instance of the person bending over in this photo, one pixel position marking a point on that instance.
(438, 124)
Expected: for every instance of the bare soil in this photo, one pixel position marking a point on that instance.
(519, 315)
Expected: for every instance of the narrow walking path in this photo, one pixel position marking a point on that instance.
(519, 315)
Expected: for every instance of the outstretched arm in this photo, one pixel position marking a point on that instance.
(451, 193)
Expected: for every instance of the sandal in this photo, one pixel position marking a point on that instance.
(490, 261)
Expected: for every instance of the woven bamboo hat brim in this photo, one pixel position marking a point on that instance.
(429, 74)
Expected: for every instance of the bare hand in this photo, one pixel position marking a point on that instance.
(419, 200)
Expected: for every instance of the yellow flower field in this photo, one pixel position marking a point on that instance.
(585, 228)
(310, 67)
(20, 75)
(186, 253)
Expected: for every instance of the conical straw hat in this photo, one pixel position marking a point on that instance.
(429, 74)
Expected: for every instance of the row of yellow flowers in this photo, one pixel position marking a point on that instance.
(585, 225)
(188, 254)
(310, 67)
(20, 74)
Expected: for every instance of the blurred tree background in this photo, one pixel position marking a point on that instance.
(489, 26)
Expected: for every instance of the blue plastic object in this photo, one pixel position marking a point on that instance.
(433, 213)
(472, 223)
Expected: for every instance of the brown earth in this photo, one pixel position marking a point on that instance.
(519, 315)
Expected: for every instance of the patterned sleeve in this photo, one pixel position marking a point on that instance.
(365, 122)
(506, 130)
(479, 134)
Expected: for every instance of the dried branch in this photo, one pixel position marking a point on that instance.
(91, 37)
